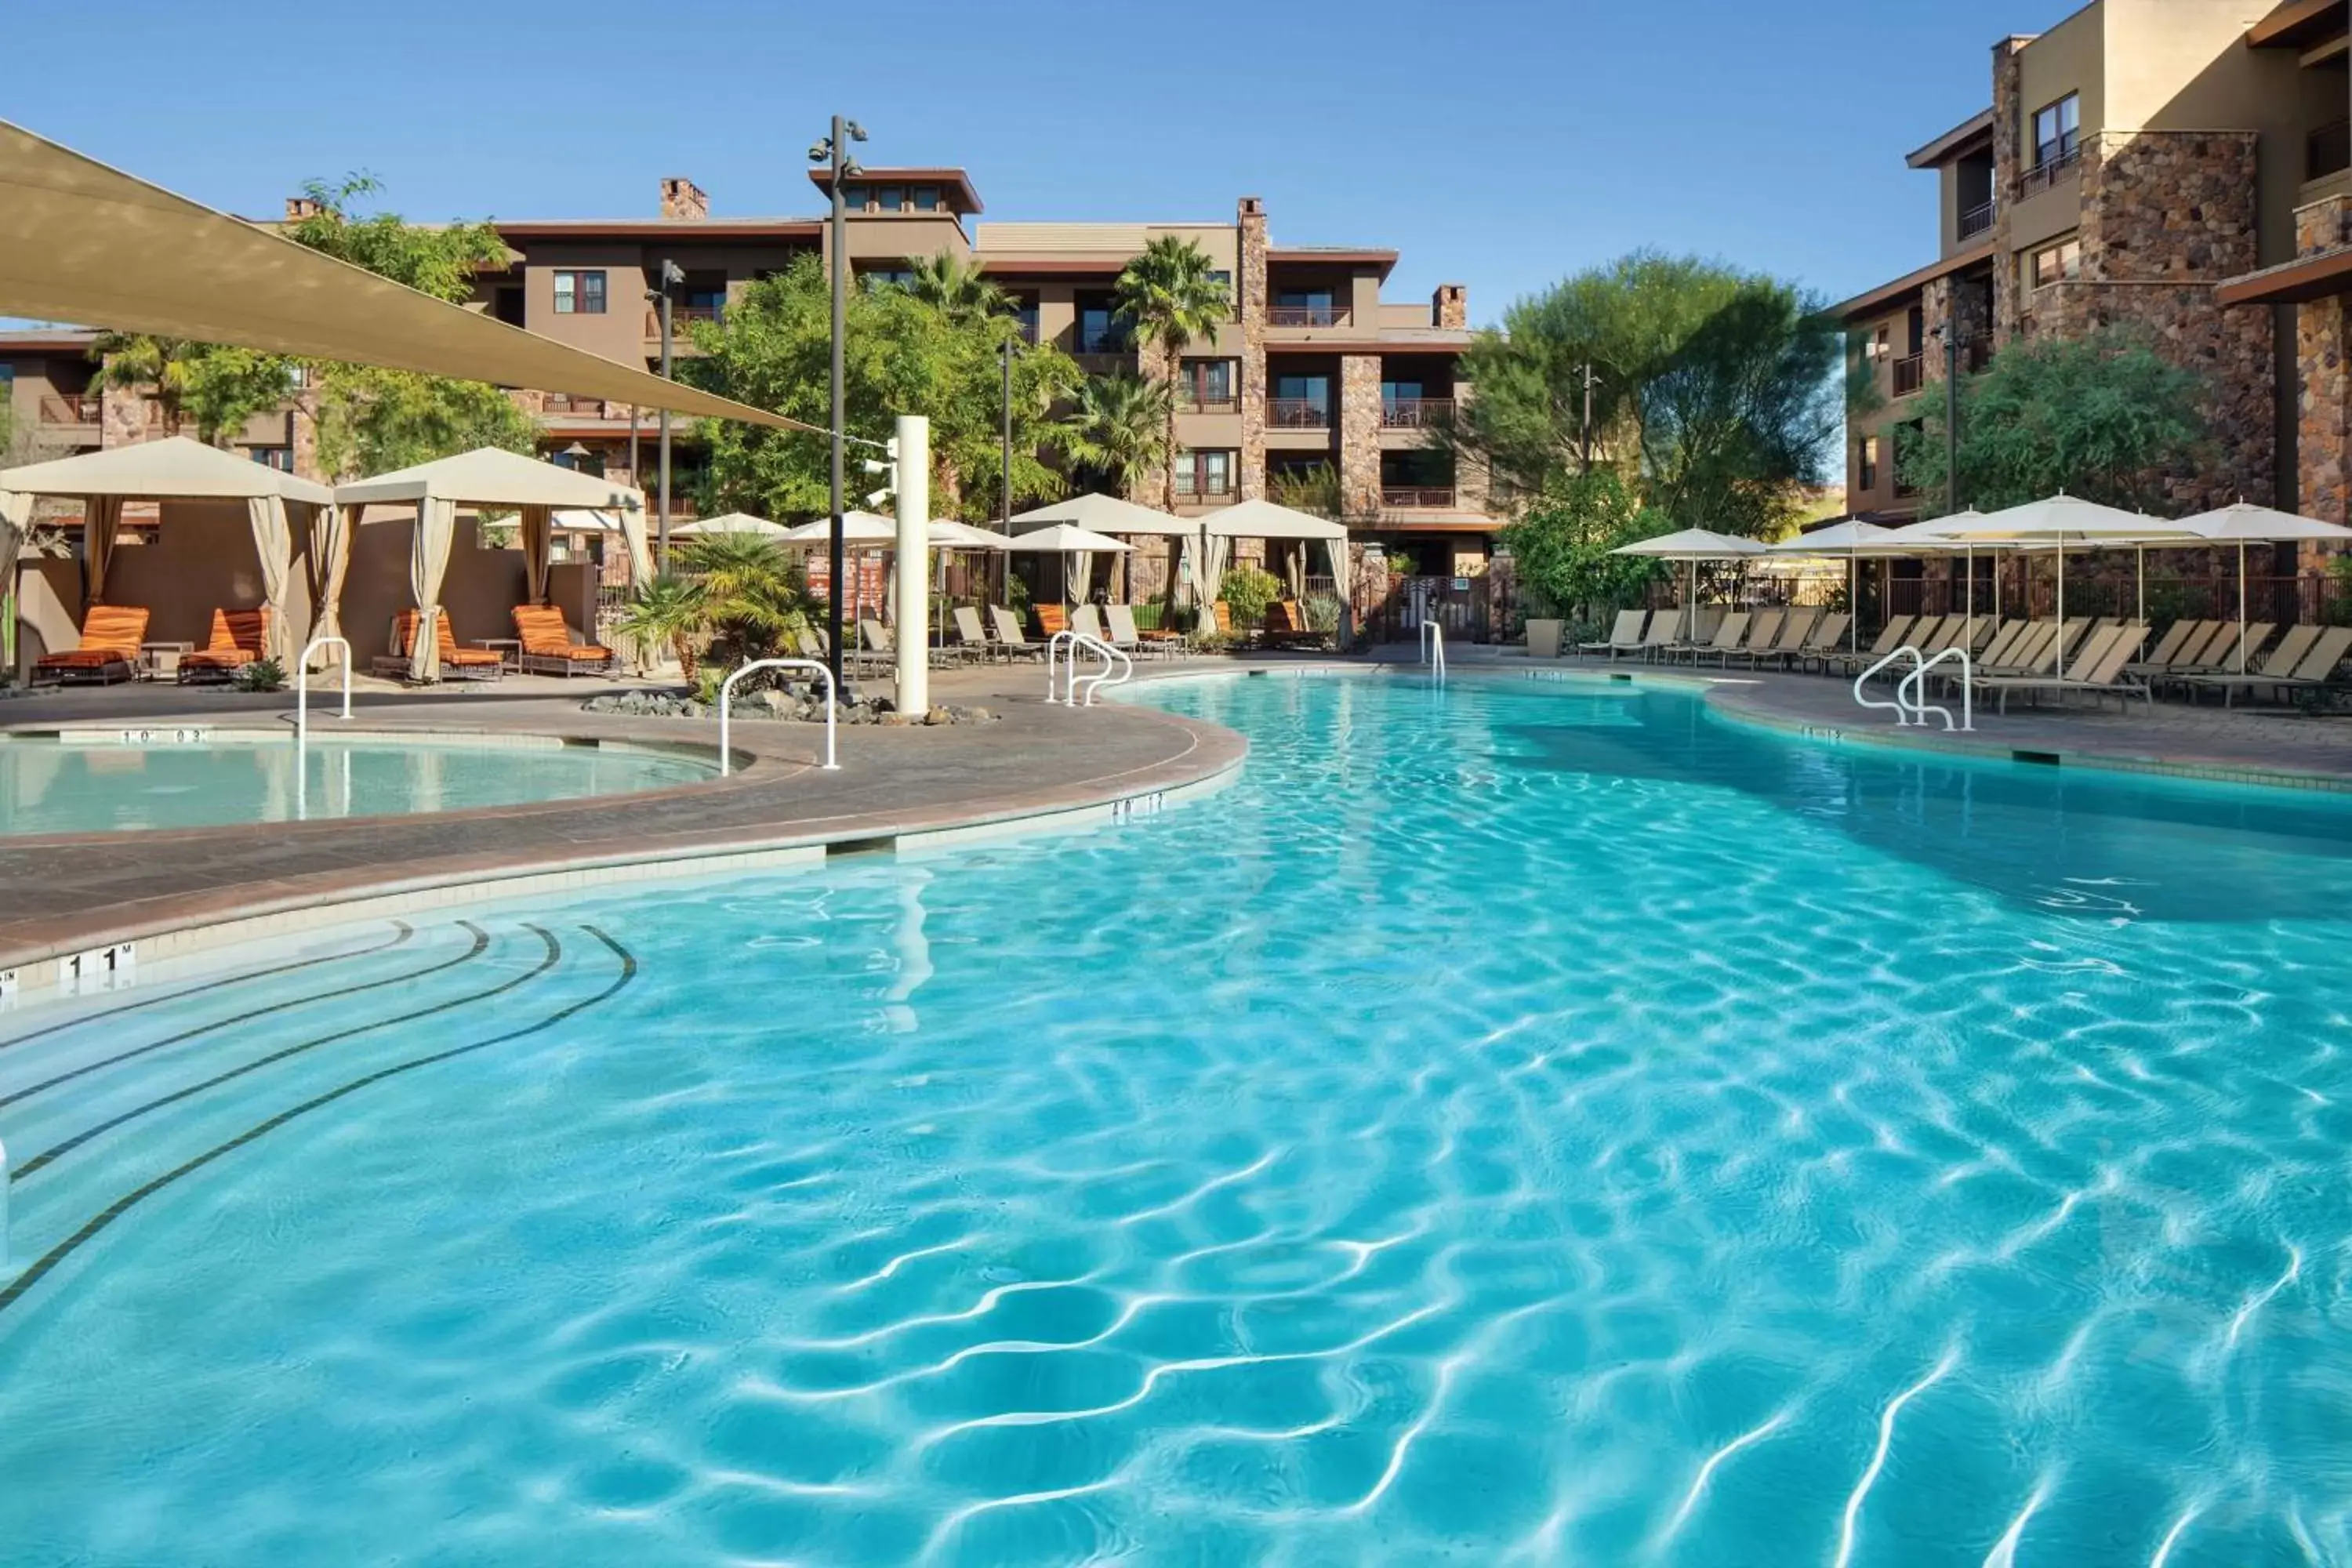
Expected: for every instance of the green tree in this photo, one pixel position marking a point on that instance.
(217, 386)
(2103, 416)
(753, 594)
(1118, 430)
(1714, 391)
(960, 290)
(1171, 296)
(904, 355)
(1560, 546)
(1313, 489)
(669, 612)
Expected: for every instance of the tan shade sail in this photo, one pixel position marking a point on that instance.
(83, 242)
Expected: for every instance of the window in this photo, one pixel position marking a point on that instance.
(1305, 298)
(278, 457)
(1314, 390)
(886, 278)
(1100, 332)
(506, 304)
(1914, 331)
(926, 198)
(580, 293)
(1396, 392)
(2055, 263)
(889, 198)
(1867, 468)
(1221, 275)
(2058, 132)
(1881, 343)
(1203, 474)
(1209, 383)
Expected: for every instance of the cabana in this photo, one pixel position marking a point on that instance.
(184, 586)
(1077, 547)
(492, 477)
(1117, 519)
(1264, 521)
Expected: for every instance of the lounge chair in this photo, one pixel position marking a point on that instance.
(1891, 636)
(1051, 618)
(553, 648)
(2297, 661)
(1824, 640)
(1086, 621)
(877, 648)
(1699, 633)
(1666, 630)
(1625, 636)
(2168, 647)
(1126, 635)
(238, 639)
(1009, 638)
(811, 642)
(972, 638)
(2220, 655)
(2008, 637)
(1763, 630)
(457, 663)
(2096, 670)
(1796, 626)
(1286, 625)
(111, 636)
(1727, 636)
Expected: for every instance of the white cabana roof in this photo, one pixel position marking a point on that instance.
(1264, 519)
(581, 520)
(2229, 524)
(492, 476)
(1692, 545)
(1104, 514)
(1064, 536)
(730, 523)
(174, 469)
(856, 528)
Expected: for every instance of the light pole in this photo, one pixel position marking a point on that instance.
(1587, 445)
(669, 276)
(834, 149)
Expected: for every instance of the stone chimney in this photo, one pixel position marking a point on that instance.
(682, 198)
(1450, 307)
(297, 209)
(1249, 310)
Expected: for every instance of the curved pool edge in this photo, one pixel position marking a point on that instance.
(213, 912)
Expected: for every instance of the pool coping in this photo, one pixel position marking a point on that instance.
(99, 949)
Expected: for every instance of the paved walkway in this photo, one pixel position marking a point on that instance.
(68, 894)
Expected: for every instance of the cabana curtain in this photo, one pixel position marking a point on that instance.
(328, 560)
(102, 522)
(437, 525)
(641, 550)
(16, 521)
(538, 540)
(273, 544)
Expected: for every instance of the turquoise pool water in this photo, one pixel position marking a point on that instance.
(1520, 1124)
(50, 786)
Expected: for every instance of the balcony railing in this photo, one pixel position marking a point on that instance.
(1186, 403)
(1411, 498)
(2057, 162)
(59, 410)
(1309, 315)
(1296, 414)
(1415, 413)
(2328, 150)
(580, 408)
(681, 317)
(1910, 375)
(1188, 488)
(1976, 220)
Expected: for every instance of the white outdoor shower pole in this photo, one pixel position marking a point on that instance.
(912, 638)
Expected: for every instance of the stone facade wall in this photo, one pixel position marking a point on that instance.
(123, 417)
(682, 198)
(2005, 170)
(1250, 301)
(1152, 364)
(1450, 307)
(2323, 363)
(1360, 436)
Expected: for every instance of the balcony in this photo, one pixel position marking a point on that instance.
(1910, 375)
(580, 408)
(63, 410)
(2058, 162)
(1415, 413)
(1976, 220)
(1309, 315)
(681, 317)
(1186, 403)
(1416, 498)
(1296, 414)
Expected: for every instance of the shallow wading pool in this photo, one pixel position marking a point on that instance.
(99, 781)
(1515, 1122)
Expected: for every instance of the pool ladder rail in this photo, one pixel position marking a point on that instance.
(1062, 660)
(726, 707)
(1432, 648)
(1910, 705)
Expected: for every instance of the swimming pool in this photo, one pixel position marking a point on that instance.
(104, 781)
(1517, 1122)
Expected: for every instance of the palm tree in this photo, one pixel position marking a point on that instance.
(667, 612)
(961, 290)
(1171, 295)
(752, 596)
(1121, 426)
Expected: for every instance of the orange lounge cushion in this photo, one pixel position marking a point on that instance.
(544, 636)
(110, 633)
(87, 659)
(221, 655)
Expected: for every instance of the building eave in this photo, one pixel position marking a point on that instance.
(662, 228)
(2307, 277)
(1885, 294)
(1977, 127)
(2295, 24)
(965, 201)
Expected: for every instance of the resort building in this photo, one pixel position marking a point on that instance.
(1318, 379)
(2159, 163)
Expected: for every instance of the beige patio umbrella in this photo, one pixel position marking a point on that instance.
(1691, 546)
(1840, 540)
(491, 476)
(2061, 520)
(732, 522)
(1076, 546)
(1119, 519)
(177, 468)
(2245, 524)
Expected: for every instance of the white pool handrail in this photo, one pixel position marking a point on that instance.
(1902, 713)
(302, 686)
(1433, 640)
(726, 707)
(1117, 668)
(1915, 684)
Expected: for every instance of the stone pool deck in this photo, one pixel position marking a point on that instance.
(169, 891)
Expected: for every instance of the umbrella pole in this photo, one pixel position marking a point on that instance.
(2058, 651)
(2241, 606)
(1853, 604)
(2141, 551)
(1969, 564)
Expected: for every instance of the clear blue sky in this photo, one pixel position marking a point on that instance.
(1500, 144)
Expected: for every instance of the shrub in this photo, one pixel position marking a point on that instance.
(262, 675)
(1249, 591)
(1322, 612)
